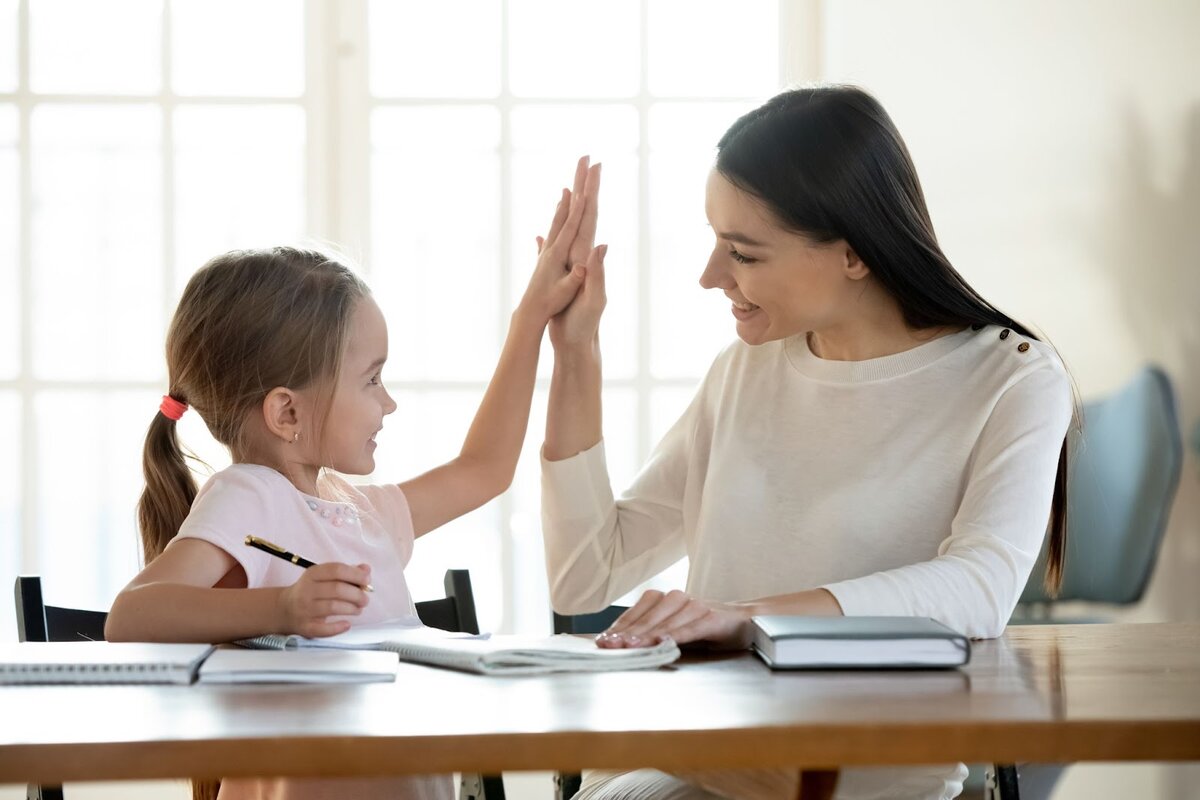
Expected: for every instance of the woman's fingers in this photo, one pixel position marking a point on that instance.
(585, 237)
(641, 622)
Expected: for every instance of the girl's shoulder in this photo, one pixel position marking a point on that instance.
(246, 479)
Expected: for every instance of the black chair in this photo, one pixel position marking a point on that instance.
(456, 612)
(566, 784)
(38, 622)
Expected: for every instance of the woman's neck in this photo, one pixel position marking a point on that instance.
(877, 330)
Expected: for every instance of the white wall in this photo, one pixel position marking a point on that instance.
(1059, 147)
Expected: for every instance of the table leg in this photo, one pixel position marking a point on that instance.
(817, 784)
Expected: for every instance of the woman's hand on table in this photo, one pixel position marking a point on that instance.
(683, 618)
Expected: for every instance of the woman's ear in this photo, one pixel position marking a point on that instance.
(282, 413)
(853, 266)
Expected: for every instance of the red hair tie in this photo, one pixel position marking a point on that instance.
(171, 408)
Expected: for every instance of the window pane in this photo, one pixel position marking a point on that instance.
(435, 195)
(96, 242)
(10, 343)
(239, 176)
(688, 331)
(89, 478)
(726, 50)
(562, 49)
(10, 501)
(427, 430)
(413, 54)
(85, 46)
(8, 45)
(547, 141)
(237, 47)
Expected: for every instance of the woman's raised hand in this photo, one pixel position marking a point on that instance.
(579, 322)
(679, 616)
(566, 253)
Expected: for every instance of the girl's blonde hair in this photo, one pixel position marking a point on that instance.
(249, 321)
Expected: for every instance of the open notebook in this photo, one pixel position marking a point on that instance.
(486, 654)
(100, 662)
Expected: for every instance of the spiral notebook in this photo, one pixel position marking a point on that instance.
(485, 654)
(100, 662)
(236, 665)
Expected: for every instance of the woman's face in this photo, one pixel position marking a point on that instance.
(780, 283)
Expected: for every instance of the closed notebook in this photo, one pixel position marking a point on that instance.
(100, 662)
(237, 665)
(485, 654)
(797, 642)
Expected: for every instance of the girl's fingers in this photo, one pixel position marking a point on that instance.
(540, 243)
(581, 178)
(590, 195)
(561, 212)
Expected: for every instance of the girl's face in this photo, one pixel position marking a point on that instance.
(779, 283)
(359, 400)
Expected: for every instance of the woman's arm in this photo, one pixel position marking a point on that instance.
(485, 466)
(981, 568)
(174, 599)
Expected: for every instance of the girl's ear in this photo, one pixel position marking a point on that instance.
(281, 414)
(854, 267)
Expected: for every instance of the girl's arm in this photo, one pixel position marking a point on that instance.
(485, 466)
(175, 599)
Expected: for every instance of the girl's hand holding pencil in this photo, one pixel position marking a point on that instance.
(323, 591)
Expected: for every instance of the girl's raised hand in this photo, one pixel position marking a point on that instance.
(325, 590)
(557, 277)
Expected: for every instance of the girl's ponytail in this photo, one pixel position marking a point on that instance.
(170, 487)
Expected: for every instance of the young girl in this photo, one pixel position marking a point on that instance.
(280, 352)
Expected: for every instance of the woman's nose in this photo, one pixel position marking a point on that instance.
(715, 276)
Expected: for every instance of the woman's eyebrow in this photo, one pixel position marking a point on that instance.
(740, 238)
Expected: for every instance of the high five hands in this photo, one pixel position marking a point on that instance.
(570, 247)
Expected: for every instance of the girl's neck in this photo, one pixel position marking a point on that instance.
(302, 476)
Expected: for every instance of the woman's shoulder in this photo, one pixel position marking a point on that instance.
(1007, 354)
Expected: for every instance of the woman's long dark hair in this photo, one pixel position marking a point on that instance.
(830, 164)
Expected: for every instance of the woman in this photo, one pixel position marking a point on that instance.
(879, 440)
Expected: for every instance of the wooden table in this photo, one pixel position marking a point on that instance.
(1042, 693)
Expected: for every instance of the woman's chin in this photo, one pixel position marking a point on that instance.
(753, 334)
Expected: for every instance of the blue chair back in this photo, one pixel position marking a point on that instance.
(1123, 477)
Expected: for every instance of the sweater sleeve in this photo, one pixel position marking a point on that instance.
(598, 548)
(974, 582)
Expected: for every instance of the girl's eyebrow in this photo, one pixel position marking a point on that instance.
(376, 364)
